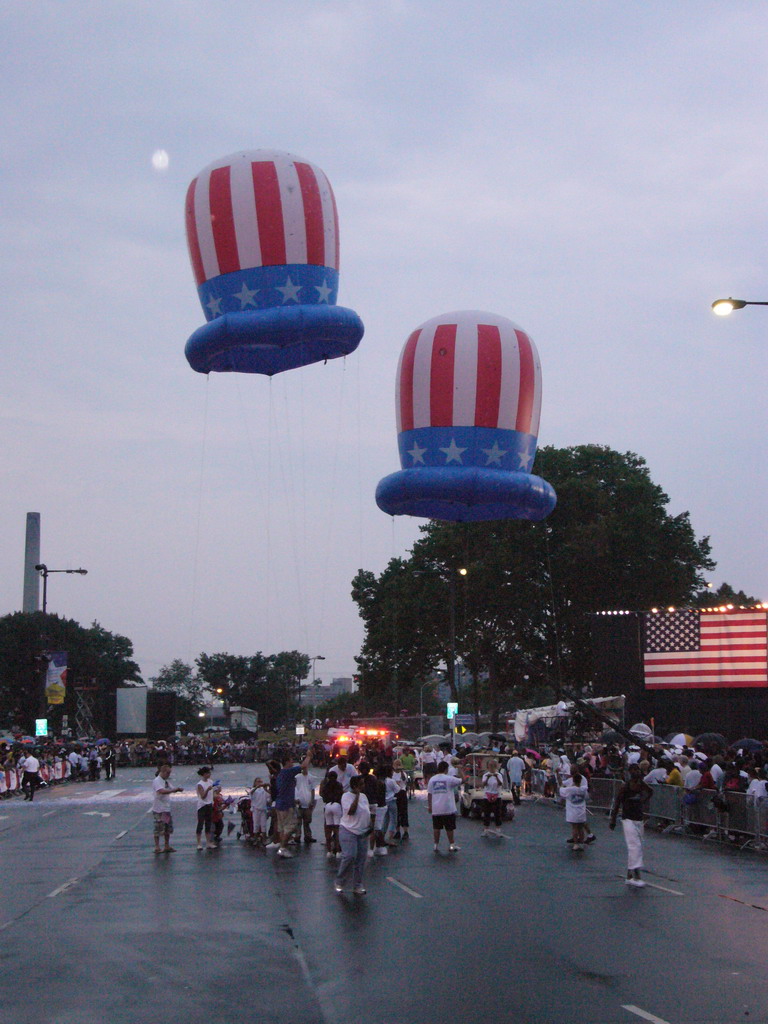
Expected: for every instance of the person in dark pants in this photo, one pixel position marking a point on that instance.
(108, 762)
(31, 777)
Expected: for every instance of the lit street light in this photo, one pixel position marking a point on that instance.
(724, 307)
(45, 572)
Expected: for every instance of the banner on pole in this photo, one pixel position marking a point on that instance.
(56, 677)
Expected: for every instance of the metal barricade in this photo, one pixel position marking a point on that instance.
(602, 793)
(665, 807)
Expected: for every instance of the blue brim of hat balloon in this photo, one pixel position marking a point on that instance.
(263, 236)
(468, 404)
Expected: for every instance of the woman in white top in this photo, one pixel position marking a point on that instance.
(353, 836)
(204, 808)
(492, 802)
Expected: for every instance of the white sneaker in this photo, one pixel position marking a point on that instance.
(285, 853)
(435, 847)
(484, 832)
(338, 886)
(453, 848)
(381, 851)
(272, 846)
(359, 890)
(330, 856)
(370, 854)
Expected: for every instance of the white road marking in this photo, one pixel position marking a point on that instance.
(63, 888)
(49, 812)
(405, 888)
(663, 888)
(644, 1014)
(121, 834)
(97, 814)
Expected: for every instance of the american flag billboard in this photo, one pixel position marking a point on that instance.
(690, 649)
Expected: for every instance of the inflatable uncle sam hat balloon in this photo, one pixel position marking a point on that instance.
(263, 237)
(468, 403)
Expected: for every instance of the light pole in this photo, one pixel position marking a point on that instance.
(724, 307)
(452, 574)
(317, 657)
(45, 573)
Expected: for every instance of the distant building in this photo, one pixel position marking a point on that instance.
(312, 695)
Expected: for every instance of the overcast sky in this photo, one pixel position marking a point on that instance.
(597, 172)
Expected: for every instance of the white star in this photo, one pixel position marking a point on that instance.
(323, 291)
(495, 454)
(416, 453)
(453, 453)
(246, 296)
(290, 291)
(214, 305)
(525, 460)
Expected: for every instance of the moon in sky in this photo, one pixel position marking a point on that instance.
(160, 160)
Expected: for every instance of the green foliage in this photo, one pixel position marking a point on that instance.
(267, 683)
(93, 654)
(179, 678)
(520, 614)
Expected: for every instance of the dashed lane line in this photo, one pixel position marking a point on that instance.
(663, 888)
(644, 1014)
(405, 888)
(63, 888)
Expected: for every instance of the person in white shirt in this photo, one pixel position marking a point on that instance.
(441, 805)
(305, 805)
(344, 772)
(492, 802)
(259, 806)
(31, 778)
(515, 769)
(353, 836)
(161, 808)
(657, 776)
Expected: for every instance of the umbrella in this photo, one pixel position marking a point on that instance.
(710, 742)
(747, 744)
(679, 739)
(534, 753)
(610, 736)
(642, 731)
(104, 740)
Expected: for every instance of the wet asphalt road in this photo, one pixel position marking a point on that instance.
(94, 928)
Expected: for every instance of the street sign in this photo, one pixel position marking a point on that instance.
(41, 727)
(300, 730)
(464, 720)
(451, 709)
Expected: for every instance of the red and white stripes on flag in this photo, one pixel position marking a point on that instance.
(465, 370)
(691, 649)
(258, 209)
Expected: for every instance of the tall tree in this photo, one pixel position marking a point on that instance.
(520, 615)
(179, 678)
(270, 684)
(93, 653)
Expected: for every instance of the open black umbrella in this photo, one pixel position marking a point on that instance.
(710, 742)
(609, 736)
(747, 744)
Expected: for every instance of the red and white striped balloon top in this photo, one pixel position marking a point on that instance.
(258, 209)
(469, 369)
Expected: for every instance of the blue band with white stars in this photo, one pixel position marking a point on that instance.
(290, 284)
(487, 447)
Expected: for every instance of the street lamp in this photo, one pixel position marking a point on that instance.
(45, 572)
(724, 307)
